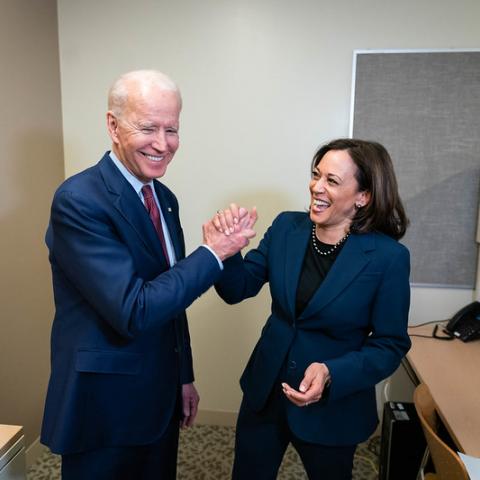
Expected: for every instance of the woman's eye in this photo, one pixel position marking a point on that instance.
(315, 175)
(332, 181)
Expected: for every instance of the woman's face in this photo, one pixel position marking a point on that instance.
(334, 191)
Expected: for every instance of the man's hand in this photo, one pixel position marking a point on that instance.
(226, 239)
(311, 388)
(190, 399)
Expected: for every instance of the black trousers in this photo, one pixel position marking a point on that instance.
(262, 438)
(157, 461)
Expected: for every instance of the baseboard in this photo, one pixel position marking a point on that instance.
(34, 451)
(216, 417)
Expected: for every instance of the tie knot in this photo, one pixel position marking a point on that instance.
(147, 192)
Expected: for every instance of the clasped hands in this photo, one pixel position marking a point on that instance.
(230, 230)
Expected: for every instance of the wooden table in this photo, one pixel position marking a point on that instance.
(451, 370)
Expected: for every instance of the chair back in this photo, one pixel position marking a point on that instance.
(447, 463)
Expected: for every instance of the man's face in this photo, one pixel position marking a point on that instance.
(145, 136)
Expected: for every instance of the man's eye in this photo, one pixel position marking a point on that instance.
(172, 131)
(147, 130)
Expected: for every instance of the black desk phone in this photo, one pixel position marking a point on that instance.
(465, 324)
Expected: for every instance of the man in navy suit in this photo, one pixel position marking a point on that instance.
(121, 365)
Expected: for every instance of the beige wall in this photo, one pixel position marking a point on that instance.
(264, 83)
(31, 160)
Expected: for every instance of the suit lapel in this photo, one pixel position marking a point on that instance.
(350, 262)
(296, 244)
(168, 212)
(129, 205)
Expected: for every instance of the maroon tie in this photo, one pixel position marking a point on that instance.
(154, 213)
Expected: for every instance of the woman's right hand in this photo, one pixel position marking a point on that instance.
(311, 388)
(234, 219)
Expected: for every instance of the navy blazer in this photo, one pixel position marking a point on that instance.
(120, 347)
(356, 323)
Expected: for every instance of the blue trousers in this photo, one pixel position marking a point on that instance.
(157, 461)
(262, 438)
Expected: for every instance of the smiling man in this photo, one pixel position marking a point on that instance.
(121, 366)
(143, 122)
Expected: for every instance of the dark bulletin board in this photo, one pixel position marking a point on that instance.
(425, 108)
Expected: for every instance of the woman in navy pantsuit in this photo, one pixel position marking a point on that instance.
(339, 282)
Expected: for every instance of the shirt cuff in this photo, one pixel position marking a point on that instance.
(220, 264)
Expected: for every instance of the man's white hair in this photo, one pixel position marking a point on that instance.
(139, 82)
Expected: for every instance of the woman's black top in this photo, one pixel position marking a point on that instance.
(314, 270)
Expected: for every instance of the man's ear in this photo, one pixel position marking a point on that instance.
(112, 126)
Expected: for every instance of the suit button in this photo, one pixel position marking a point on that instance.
(292, 364)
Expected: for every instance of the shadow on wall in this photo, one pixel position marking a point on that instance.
(32, 169)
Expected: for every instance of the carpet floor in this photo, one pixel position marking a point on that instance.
(206, 453)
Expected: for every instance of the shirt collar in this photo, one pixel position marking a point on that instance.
(131, 179)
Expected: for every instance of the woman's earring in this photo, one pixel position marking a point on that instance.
(358, 206)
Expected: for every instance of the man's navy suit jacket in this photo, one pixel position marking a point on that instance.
(120, 344)
(356, 323)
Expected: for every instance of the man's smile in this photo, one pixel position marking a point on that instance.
(154, 158)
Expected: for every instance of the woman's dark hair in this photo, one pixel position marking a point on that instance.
(384, 212)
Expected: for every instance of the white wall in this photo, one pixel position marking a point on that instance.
(264, 83)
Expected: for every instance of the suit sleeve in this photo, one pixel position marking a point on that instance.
(244, 277)
(99, 264)
(388, 342)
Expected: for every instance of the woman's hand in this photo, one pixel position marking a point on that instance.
(234, 219)
(312, 386)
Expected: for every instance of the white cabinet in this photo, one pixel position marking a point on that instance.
(12, 453)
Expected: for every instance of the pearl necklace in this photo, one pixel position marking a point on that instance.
(330, 250)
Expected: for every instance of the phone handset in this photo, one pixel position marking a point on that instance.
(465, 324)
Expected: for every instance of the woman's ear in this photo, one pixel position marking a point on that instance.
(363, 199)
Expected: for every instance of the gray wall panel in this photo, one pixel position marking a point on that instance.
(425, 108)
